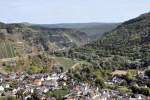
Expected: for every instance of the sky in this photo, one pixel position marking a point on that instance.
(71, 11)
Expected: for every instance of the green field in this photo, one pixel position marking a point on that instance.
(6, 50)
(65, 62)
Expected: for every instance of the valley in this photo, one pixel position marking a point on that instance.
(62, 61)
(93, 30)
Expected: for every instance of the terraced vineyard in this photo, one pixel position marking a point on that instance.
(7, 50)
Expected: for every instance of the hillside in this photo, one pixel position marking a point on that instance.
(93, 30)
(7, 50)
(32, 38)
(129, 39)
(127, 45)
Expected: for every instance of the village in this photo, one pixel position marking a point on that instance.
(22, 86)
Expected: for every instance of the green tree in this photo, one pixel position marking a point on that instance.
(147, 72)
(145, 91)
(99, 82)
(129, 76)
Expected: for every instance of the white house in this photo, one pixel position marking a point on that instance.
(1, 88)
(14, 91)
(1, 79)
(7, 86)
(48, 78)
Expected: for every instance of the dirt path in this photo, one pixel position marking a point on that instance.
(75, 65)
(9, 59)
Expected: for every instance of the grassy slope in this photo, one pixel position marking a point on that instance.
(65, 62)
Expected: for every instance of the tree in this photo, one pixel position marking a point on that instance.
(147, 72)
(145, 91)
(129, 76)
(135, 89)
(99, 82)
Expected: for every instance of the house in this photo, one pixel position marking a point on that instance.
(54, 77)
(21, 77)
(27, 97)
(1, 79)
(7, 86)
(51, 83)
(42, 79)
(1, 88)
(8, 93)
(37, 82)
(44, 89)
(103, 98)
(140, 97)
(12, 76)
(32, 90)
(42, 98)
(117, 80)
(14, 91)
(64, 84)
(48, 78)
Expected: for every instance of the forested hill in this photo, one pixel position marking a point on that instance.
(130, 40)
(93, 30)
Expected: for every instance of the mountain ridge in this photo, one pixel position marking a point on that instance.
(130, 40)
(41, 38)
(93, 30)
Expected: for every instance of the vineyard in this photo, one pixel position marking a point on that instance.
(7, 50)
